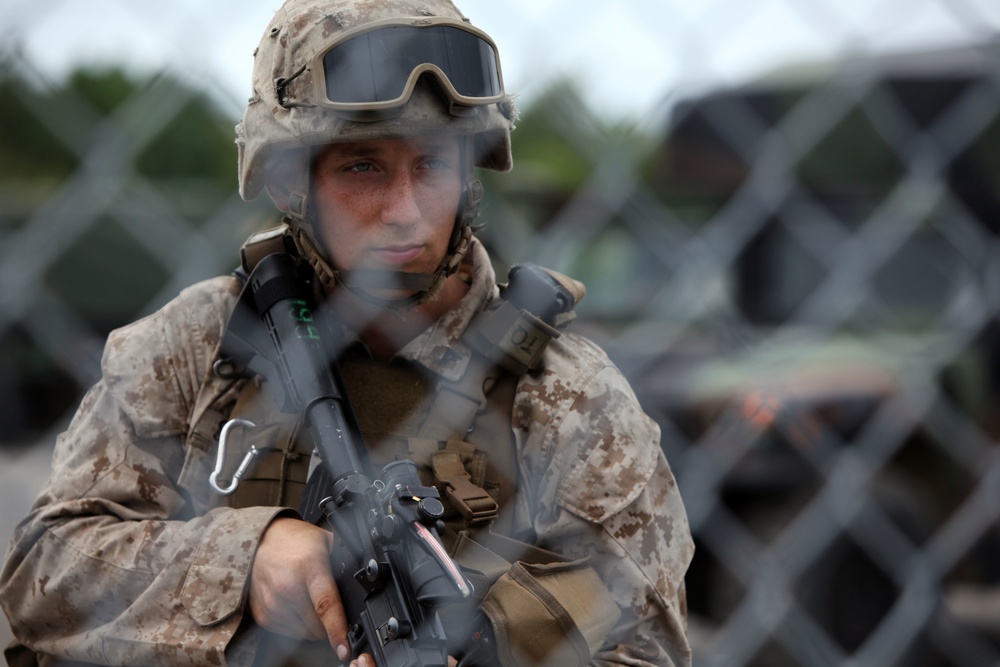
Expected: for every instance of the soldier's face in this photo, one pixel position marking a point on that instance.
(388, 204)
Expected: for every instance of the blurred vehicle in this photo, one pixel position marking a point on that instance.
(834, 429)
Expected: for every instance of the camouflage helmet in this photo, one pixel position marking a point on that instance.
(286, 111)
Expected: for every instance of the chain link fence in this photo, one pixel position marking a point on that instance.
(799, 272)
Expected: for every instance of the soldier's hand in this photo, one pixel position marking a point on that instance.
(292, 591)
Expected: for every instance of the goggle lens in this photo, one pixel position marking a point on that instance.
(375, 67)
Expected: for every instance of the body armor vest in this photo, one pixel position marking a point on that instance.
(459, 434)
(394, 404)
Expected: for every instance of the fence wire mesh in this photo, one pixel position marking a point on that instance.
(798, 272)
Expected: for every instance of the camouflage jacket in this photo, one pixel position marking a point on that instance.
(124, 560)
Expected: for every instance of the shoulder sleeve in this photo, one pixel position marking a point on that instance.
(155, 366)
(611, 458)
(110, 566)
(603, 489)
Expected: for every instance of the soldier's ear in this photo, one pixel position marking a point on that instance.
(289, 173)
(279, 193)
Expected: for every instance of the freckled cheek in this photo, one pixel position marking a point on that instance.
(365, 204)
(440, 206)
(342, 223)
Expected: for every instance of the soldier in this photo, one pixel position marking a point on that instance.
(366, 122)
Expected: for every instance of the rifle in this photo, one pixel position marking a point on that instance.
(390, 566)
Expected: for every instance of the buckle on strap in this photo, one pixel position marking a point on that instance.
(472, 501)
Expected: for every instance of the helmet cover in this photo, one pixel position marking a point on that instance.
(282, 115)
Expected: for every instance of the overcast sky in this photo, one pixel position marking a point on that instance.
(629, 55)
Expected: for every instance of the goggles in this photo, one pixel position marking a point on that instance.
(371, 72)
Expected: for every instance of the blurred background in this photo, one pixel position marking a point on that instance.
(786, 214)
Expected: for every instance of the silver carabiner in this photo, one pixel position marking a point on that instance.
(220, 459)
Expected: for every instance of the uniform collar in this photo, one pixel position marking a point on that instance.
(440, 347)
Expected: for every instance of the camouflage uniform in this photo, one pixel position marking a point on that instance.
(127, 559)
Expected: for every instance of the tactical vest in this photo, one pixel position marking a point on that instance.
(459, 433)
(395, 405)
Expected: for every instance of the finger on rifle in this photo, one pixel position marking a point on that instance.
(330, 612)
(363, 660)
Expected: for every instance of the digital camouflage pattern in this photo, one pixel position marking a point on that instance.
(126, 557)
